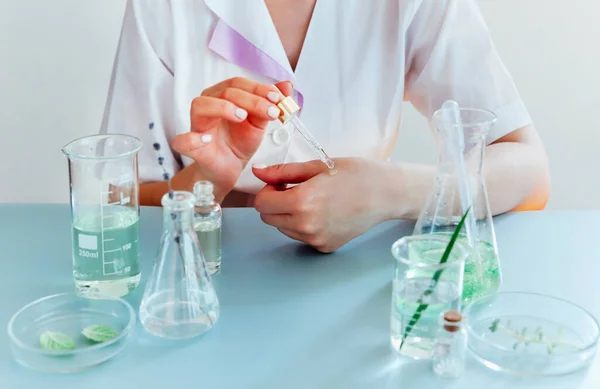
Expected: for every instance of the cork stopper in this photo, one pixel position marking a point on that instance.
(452, 321)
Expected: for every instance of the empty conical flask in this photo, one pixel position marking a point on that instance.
(180, 300)
(459, 185)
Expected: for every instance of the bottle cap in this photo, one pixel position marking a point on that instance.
(289, 108)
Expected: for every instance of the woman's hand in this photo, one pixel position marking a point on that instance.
(323, 211)
(227, 126)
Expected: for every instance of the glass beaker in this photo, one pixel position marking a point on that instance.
(179, 301)
(443, 209)
(422, 289)
(103, 175)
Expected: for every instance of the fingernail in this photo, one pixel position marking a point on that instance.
(259, 166)
(273, 112)
(241, 114)
(206, 138)
(291, 84)
(274, 97)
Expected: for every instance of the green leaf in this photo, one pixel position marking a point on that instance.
(99, 333)
(436, 276)
(56, 341)
(494, 325)
(450, 246)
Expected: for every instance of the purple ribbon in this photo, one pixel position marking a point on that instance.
(233, 47)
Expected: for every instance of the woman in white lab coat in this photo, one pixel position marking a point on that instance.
(196, 80)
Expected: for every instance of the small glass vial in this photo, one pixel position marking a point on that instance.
(451, 344)
(208, 217)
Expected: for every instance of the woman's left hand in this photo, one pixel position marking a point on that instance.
(324, 211)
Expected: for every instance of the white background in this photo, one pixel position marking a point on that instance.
(57, 55)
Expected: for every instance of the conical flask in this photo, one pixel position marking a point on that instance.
(460, 185)
(179, 300)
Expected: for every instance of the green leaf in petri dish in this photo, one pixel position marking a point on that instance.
(56, 341)
(99, 333)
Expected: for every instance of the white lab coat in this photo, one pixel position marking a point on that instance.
(361, 59)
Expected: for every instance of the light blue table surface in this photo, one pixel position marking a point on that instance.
(291, 317)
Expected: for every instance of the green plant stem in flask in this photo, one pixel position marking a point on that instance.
(460, 184)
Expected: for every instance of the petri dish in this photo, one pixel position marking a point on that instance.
(529, 334)
(69, 313)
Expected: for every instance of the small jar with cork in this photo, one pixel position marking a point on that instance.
(451, 344)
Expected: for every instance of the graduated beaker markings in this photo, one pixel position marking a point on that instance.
(123, 179)
(105, 213)
(106, 245)
(122, 199)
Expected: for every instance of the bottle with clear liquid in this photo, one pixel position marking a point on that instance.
(451, 346)
(208, 218)
(180, 300)
(459, 185)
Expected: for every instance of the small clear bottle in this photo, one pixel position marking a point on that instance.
(180, 300)
(451, 345)
(208, 218)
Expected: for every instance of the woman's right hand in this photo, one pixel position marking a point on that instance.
(227, 126)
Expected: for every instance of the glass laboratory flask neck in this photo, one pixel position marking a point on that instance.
(472, 153)
(178, 212)
(461, 148)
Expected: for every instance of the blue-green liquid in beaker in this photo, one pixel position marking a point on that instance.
(106, 251)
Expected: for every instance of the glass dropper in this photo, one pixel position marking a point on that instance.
(289, 114)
